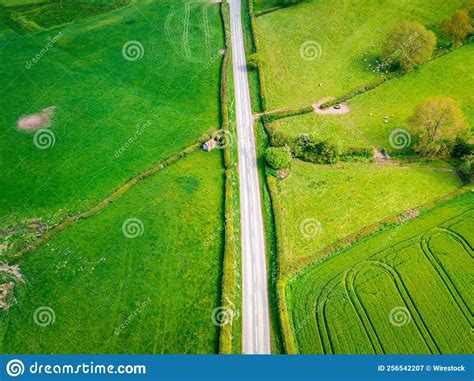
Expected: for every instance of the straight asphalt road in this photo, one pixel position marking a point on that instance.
(256, 325)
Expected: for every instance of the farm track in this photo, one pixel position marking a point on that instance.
(185, 39)
(441, 270)
(207, 30)
(403, 293)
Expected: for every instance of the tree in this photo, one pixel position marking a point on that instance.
(278, 157)
(437, 121)
(255, 61)
(409, 45)
(457, 27)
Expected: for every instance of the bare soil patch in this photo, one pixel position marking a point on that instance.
(36, 121)
(344, 107)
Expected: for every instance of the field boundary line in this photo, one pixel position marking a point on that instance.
(296, 265)
(229, 263)
(114, 196)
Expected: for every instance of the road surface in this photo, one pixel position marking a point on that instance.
(255, 319)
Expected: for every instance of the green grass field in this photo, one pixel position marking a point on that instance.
(102, 100)
(344, 32)
(405, 290)
(364, 124)
(95, 278)
(344, 198)
(117, 113)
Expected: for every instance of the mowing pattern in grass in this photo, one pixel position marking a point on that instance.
(396, 99)
(343, 199)
(114, 117)
(111, 294)
(344, 31)
(406, 290)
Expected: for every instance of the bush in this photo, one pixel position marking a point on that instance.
(467, 167)
(278, 157)
(462, 148)
(255, 61)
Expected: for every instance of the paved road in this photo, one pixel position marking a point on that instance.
(256, 331)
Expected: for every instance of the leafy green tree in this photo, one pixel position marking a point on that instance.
(457, 27)
(409, 45)
(255, 61)
(437, 121)
(278, 157)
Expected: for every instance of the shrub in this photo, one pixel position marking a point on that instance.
(278, 157)
(255, 61)
(462, 148)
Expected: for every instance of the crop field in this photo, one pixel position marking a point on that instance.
(148, 288)
(364, 125)
(405, 290)
(125, 88)
(329, 53)
(331, 202)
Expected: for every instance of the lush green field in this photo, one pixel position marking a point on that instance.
(405, 290)
(103, 100)
(95, 278)
(344, 32)
(364, 124)
(342, 199)
(118, 111)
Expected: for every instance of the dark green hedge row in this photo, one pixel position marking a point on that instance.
(228, 296)
(315, 150)
(286, 114)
